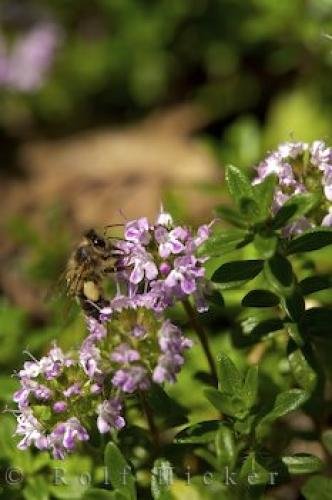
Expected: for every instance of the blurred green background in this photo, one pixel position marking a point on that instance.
(138, 101)
(261, 68)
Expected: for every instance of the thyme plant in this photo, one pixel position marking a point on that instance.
(80, 400)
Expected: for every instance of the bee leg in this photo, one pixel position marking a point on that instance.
(91, 290)
(92, 308)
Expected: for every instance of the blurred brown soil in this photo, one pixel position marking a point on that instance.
(94, 175)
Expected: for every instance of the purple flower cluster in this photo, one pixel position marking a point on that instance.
(48, 368)
(159, 263)
(24, 66)
(301, 167)
(109, 416)
(130, 346)
(118, 358)
(150, 348)
(172, 346)
(54, 392)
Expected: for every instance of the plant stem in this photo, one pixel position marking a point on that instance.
(203, 338)
(150, 420)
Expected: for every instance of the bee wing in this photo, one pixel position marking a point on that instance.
(74, 280)
(57, 288)
(57, 299)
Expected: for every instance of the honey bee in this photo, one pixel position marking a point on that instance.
(90, 262)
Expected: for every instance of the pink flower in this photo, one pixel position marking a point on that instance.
(170, 241)
(137, 231)
(109, 416)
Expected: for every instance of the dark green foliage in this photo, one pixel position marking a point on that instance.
(237, 397)
(314, 284)
(260, 298)
(118, 59)
(311, 240)
(166, 408)
(203, 432)
(279, 273)
(238, 271)
(317, 321)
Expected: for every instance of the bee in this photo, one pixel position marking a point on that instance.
(89, 263)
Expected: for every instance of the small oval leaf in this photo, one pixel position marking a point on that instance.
(310, 241)
(302, 463)
(240, 270)
(203, 432)
(260, 298)
(119, 471)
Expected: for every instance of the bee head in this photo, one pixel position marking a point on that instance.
(82, 254)
(95, 239)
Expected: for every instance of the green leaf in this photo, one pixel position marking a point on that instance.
(302, 463)
(250, 386)
(317, 321)
(225, 447)
(279, 273)
(258, 329)
(166, 407)
(119, 471)
(232, 216)
(226, 403)
(314, 284)
(317, 488)
(303, 373)
(310, 240)
(294, 305)
(264, 194)
(297, 206)
(327, 440)
(240, 270)
(202, 432)
(229, 377)
(285, 403)
(250, 209)
(161, 479)
(225, 241)
(260, 298)
(253, 472)
(239, 185)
